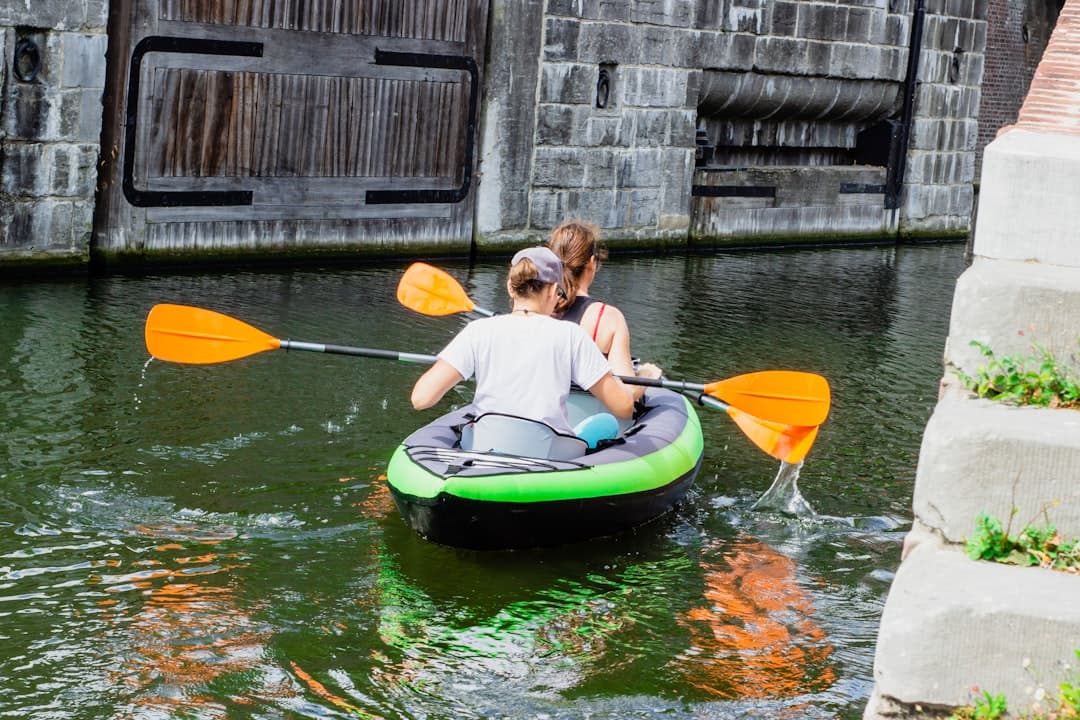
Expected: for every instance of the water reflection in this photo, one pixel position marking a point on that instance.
(755, 636)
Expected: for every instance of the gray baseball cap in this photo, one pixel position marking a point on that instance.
(548, 266)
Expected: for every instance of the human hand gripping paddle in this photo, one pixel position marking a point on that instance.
(191, 335)
(779, 410)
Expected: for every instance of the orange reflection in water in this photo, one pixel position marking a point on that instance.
(756, 637)
(186, 633)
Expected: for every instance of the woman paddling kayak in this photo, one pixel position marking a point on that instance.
(525, 361)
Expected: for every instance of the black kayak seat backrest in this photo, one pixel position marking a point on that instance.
(513, 435)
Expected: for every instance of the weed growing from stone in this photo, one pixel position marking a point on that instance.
(1066, 706)
(1038, 379)
(1041, 546)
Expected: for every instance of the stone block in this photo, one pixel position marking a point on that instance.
(599, 169)
(677, 176)
(981, 456)
(32, 112)
(897, 30)
(559, 167)
(854, 61)
(658, 47)
(951, 624)
(74, 171)
(561, 39)
(682, 128)
(1010, 304)
(611, 10)
(818, 57)
(780, 55)
(644, 207)
(650, 87)
(83, 60)
(879, 31)
(568, 83)
(651, 128)
(610, 130)
(605, 43)
(40, 225)
(79, 115)
(679, 13)
(858, 25)
(548, 208)
(97, 14)
(817, 22)
(24, 171)
(725, 51)
(743, 18)
(784, 18)
(59, 223)
(561, 124)
(640, 168)
(599, 205)
(514, 208)
(962, 200)
(1027, 191)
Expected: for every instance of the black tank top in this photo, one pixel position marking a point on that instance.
(576, 311)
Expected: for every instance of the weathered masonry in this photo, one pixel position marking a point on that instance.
(191, 130)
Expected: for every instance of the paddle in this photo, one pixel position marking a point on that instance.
(783, 396)
(191, 335)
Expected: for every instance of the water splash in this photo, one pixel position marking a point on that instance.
(783, 495)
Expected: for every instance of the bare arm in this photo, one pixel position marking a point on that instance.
(433, 384)
(616, 397)
(619, 357)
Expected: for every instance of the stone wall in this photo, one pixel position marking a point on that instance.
(939, 192)
(51, 84)
(608, 106)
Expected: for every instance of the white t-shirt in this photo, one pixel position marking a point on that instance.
(524, 365)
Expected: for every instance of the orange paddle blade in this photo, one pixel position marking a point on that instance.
(795, 398)
(184, 334)
(789, 443)
(432, 291)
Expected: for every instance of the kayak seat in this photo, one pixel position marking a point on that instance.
(598, 427)
(512, 435)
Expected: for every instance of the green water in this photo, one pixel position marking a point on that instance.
(218, 541)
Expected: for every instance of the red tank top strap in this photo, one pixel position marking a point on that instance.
(599, 315)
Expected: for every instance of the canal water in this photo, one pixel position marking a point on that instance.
(219, 542)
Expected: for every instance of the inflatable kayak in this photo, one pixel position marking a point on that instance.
(541, 488)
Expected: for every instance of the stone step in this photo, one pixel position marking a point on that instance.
(952, 624)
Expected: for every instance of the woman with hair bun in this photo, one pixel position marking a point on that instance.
(524, 361)
(577, 244)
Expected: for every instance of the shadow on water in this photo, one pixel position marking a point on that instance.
(219, 541)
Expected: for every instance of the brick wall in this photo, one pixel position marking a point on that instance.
(1017, 32)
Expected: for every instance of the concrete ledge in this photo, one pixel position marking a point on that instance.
(1025, 178)
(981, 456)
(1009, 305)
(951, 624)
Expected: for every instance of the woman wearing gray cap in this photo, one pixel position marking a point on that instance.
(525, 361)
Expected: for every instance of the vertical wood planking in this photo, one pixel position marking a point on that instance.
(419, 19)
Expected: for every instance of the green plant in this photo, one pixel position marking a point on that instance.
(1066, 706)
(1040, 546)
(1038, 379)
(985, 707)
